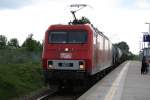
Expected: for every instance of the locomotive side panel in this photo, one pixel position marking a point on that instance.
(102, 56)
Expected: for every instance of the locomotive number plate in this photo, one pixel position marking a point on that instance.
(65, 65)
(66, 55)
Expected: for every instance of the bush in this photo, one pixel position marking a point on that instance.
(20, 73)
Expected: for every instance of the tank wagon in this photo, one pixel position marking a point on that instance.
(117, 54)
(73, 53)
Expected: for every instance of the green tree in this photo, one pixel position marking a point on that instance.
(124, 47)
(32, 45)
(133, 56)
(13, 43)
(3, 42)
(125, 50)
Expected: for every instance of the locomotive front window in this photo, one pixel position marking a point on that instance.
(68, 37)
(77, 37)
(58, 37)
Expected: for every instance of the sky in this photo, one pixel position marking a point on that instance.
(120, 20)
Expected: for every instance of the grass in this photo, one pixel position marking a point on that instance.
(20, 73)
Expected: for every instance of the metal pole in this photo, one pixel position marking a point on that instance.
(149, 27)
(149, 34)
(73, 13)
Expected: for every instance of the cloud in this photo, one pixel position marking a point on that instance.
(142, 4)
(127, 3)
(135, 4)
(14, 4)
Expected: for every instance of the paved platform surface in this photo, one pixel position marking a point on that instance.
(123, 83)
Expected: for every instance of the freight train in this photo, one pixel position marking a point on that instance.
(75, 53)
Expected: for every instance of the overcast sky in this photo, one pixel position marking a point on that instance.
(120, 20)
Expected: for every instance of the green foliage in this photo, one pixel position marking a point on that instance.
(19, 55)
(19, 79)
(132, 56)
(124, 47)
(127, 55)
(13, 43)
(32, 45)
(3, 42)
(20, 67)
(125, 50)
(20, 72)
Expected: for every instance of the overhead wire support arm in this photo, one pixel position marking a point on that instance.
(73, 13)
(79, 6)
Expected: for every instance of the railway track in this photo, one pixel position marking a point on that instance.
(64, 94)
(45, 95)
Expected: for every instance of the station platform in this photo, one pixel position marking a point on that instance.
(123, 83)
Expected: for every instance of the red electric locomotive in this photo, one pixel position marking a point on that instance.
(74, 52)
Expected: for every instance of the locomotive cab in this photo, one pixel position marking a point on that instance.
(67, 52)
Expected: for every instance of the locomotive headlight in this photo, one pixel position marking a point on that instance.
(81, 65)
(50, 64)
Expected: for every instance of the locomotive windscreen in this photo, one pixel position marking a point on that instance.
(67, 37)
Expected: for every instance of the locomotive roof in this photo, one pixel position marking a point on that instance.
(61, 26)
(76, 26)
